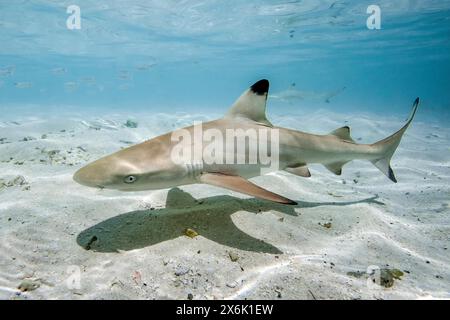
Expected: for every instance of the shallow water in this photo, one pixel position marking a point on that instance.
(160, 54)
(65, 96)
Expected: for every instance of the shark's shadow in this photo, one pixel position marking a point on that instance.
(210, 217)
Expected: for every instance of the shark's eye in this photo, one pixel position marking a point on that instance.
(129, 179)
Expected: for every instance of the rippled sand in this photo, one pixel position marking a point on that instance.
(55, 232)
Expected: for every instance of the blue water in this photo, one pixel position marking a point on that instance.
(180, 55)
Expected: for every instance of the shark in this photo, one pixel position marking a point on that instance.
(150, 165)
(292, 94)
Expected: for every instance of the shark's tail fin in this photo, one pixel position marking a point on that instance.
(388, 146)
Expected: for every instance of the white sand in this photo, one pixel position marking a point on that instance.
(283, 252)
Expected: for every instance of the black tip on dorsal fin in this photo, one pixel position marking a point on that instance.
(345, 129)
(261, 87)
(343, 133)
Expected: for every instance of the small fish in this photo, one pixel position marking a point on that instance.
(292, 94)
(88, 80)
(70, 86)
(23, 85)
(59, 71)
(7, 71)
(144, 67)
(124, 75)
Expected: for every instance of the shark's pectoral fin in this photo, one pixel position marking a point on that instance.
(252, 103)
(239, 184)
(301, 171)
(335, 167)
(343, 133)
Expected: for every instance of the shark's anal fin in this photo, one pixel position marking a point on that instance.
(239, 184)
(252, 103)
(335, 167)
(301, 171)
(343, 133)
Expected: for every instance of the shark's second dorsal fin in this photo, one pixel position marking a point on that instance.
(343, 133)
(252, 103)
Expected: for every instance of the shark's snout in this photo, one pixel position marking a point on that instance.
(90, 177)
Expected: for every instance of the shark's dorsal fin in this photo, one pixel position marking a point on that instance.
(343, 133)
(252, 103)
(239, 184)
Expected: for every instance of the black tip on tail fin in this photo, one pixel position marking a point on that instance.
(391, 175)
(261, 87)
(414, 109)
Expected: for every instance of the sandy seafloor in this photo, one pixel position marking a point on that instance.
(132, 245)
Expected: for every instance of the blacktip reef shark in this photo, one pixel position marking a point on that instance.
(149, 165)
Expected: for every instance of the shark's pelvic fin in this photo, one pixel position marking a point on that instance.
(343, 133)
(388, 146)
(301, 171)
(252, 103)
(239, 184)
(336, 167)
